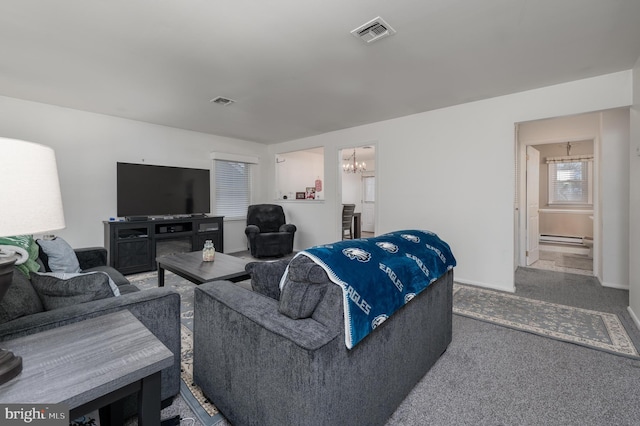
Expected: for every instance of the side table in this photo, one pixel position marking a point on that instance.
(89, 365)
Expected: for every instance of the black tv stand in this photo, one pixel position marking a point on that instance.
(133, 245)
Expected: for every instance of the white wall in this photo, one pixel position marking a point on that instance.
(451, 171)
(614, 198)
(634, 200)
(88, 146)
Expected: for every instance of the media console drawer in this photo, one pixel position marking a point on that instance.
(133, 246)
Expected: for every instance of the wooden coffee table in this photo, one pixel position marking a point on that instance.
(191, 267)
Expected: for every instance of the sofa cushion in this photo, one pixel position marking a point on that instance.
(21, 299)
(265, 277)
(304, 286)
(58, 256)
(57, 293)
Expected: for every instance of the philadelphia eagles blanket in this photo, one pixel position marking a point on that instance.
(379, 275)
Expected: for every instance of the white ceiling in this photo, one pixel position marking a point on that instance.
(292, 66)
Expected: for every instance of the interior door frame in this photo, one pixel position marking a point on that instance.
(521, 208)
(364, 202)
(532, 248)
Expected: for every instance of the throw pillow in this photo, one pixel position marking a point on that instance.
(57, 293)
(65, 276)
(21, 299)
(266, 276)
(60, 256)
(303, 287)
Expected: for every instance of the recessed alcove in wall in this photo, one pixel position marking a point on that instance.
(300, 175)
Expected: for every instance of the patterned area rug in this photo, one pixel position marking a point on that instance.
(593, 329)
(204, 410)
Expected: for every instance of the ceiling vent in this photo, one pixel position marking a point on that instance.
(373, 30)
(222, 101)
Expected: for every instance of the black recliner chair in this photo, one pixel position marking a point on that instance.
(267, 231)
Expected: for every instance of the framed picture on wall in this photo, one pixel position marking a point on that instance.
(311, 193)
(300, 196)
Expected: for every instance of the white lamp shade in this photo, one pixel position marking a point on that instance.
(30, 201)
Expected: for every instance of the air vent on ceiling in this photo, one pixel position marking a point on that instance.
(222, 101)
(373, 30)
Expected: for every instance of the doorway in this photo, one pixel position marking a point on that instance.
(557, 167)
(358, 185)
(560, 206)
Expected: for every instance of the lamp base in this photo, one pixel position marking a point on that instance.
(10, 365)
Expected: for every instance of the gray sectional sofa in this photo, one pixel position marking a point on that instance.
(22, 313)
(267, 357)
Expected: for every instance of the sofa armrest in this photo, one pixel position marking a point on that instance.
(224, 304)
(158, 309)
(91, 257)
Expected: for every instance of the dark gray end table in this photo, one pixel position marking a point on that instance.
(190, 266)
(91, 364)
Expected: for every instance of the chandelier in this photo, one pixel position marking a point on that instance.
(352, 166)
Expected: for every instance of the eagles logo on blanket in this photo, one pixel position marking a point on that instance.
(379, 275)
(356, 253)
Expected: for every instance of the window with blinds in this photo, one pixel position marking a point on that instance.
(570, 183)
(232, 188)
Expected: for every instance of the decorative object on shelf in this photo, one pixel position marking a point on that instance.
(311, 193)
(300, 196)
(352, 166)
(208, 252)
(318, 184)
(31, 204)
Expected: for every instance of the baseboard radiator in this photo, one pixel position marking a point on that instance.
(560, 239)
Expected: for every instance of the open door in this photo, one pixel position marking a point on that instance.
(533, 205)
(368, 203)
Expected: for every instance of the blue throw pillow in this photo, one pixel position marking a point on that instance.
(60, 255)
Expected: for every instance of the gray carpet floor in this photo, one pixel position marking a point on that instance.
(492, 375)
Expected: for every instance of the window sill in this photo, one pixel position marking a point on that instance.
(565, 210)
(305, 201)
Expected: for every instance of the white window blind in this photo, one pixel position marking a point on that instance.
(570, 181)
(232, 188)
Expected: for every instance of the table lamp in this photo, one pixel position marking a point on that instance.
(30, 203)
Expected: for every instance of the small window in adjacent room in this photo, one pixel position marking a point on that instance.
(232, 185)
(570, 180)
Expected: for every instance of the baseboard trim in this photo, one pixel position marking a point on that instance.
(614, 285)
(484, 285)
(633, 317)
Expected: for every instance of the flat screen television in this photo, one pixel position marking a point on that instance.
(147, 190)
